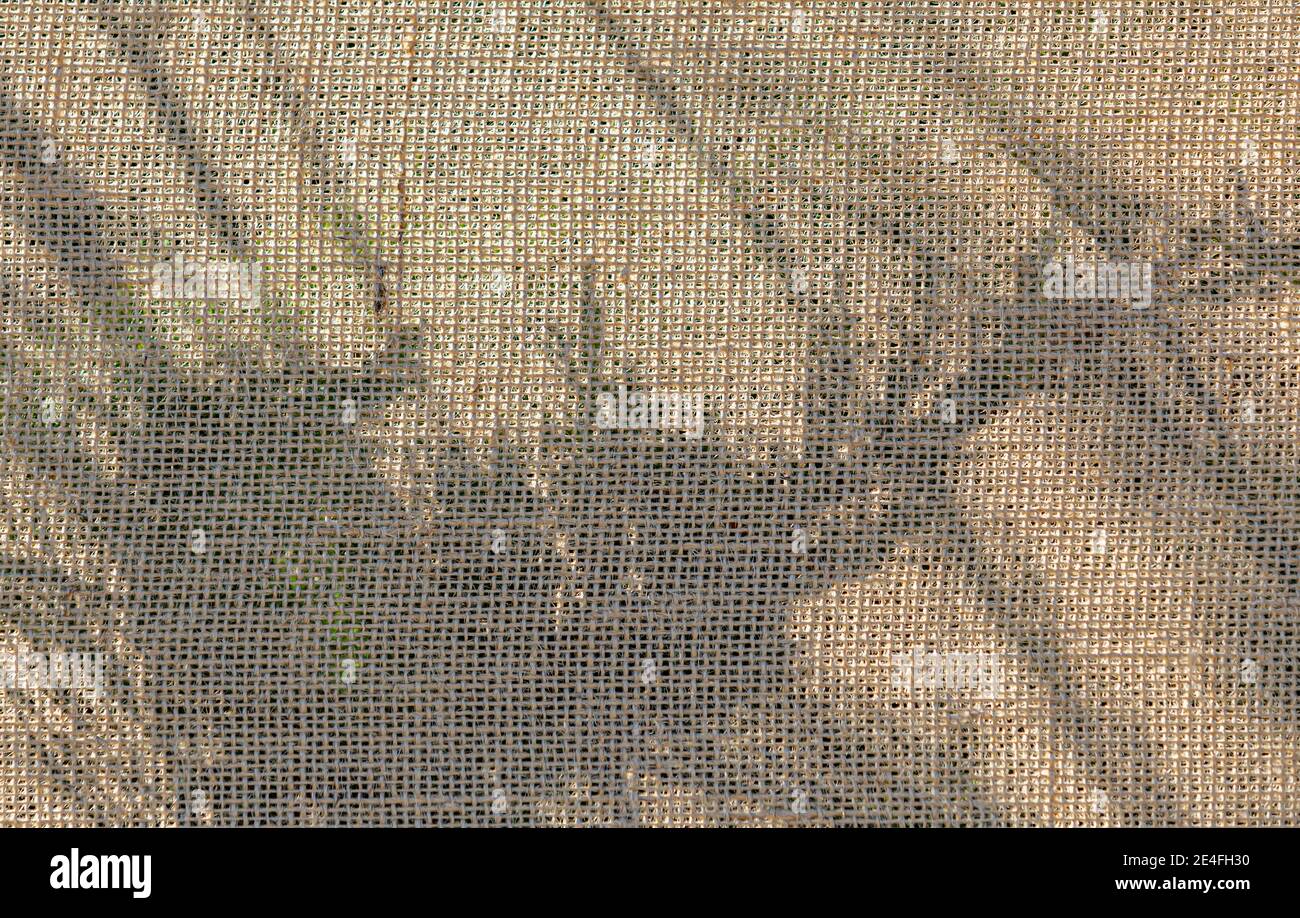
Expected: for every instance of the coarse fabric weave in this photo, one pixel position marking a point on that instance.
(588, 412)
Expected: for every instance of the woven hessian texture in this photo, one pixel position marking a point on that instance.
(591, 412)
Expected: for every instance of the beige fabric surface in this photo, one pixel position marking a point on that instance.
(325, 327)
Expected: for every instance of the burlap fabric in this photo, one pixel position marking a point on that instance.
(719, 413)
